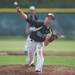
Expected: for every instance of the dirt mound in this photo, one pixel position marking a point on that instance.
(47, 70)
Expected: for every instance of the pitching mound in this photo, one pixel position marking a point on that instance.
(47, 70)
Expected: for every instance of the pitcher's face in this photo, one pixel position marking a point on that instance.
(48, 20)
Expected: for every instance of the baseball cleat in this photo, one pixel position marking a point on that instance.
(38, 72)
(32, 65)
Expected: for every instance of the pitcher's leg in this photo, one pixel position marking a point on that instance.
(31, 52)
(26, 49)
(40, 58)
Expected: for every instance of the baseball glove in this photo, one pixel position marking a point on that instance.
(53, 37)
(50, 38)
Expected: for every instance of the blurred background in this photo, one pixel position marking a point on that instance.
(11, 24)
(12, 28)
(39, 3)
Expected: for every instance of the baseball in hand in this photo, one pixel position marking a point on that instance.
(15, 3)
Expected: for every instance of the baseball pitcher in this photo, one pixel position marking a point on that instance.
(40, 36)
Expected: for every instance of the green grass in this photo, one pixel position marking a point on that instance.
(5, 60)
(12, 43)
(60, 60)
(51, 60)
(18, 43)
(62, 45)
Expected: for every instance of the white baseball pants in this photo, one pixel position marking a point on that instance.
(33, 46)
